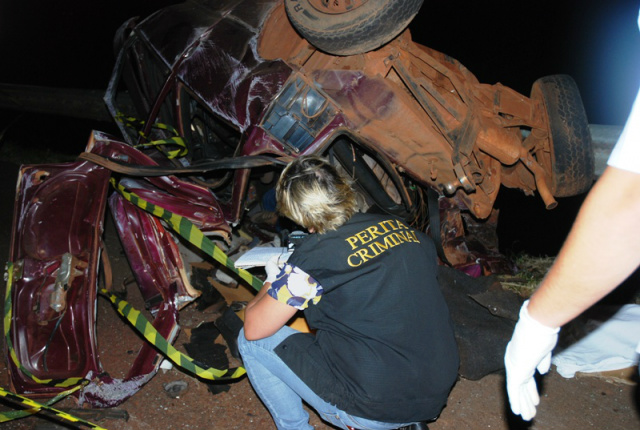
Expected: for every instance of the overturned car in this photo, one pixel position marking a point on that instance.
(212, 99)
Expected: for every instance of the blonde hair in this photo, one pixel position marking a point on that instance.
(313, 194)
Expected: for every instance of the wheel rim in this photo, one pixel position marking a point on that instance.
(335, 7)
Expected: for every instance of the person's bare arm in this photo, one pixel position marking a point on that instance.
(265, 315)
(601, 251)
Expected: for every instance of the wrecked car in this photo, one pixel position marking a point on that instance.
(212, 98)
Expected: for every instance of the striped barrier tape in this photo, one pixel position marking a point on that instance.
(137, 320)
(75, 383)
(190, 232)
(35, 407)
(176, 139)
(8, 315)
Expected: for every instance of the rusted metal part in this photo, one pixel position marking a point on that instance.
(470, 244)
(539, 176)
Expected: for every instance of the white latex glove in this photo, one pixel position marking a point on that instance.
(529, 349)
(272, 268)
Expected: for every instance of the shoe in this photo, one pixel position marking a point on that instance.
(415, 426)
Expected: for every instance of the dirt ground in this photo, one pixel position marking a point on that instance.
(584, 402)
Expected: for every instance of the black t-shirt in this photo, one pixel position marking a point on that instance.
(384, 347)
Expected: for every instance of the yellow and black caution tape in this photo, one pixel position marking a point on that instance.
(35, 407)
(75, 383)
(139, 322)
(186, 229)
(149, 332)
(8, 314)
(190, 232)
(9, 416)
(175, 140)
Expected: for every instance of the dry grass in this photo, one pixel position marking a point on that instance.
(530, 274)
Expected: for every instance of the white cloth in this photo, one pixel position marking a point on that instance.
(611, 346)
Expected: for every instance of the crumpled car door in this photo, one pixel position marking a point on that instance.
(54, 261)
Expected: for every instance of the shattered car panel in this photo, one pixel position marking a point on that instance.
(56, 245)
(229, 80)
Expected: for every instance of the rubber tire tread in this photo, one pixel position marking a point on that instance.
(573, 157)
(362, 30)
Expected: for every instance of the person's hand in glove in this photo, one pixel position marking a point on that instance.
(272, 268)
(529, 349)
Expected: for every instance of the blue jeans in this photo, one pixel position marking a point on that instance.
(282, 392)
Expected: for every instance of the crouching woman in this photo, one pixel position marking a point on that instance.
(383, 353)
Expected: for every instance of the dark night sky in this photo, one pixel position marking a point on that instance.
(68, 44)
(596, 42)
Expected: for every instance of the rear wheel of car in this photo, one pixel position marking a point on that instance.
(348, 27)
(570, 159)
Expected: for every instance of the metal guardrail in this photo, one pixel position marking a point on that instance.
(604, 137)
(70, 102)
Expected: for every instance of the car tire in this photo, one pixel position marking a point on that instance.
(570, 161)
(344, 31)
